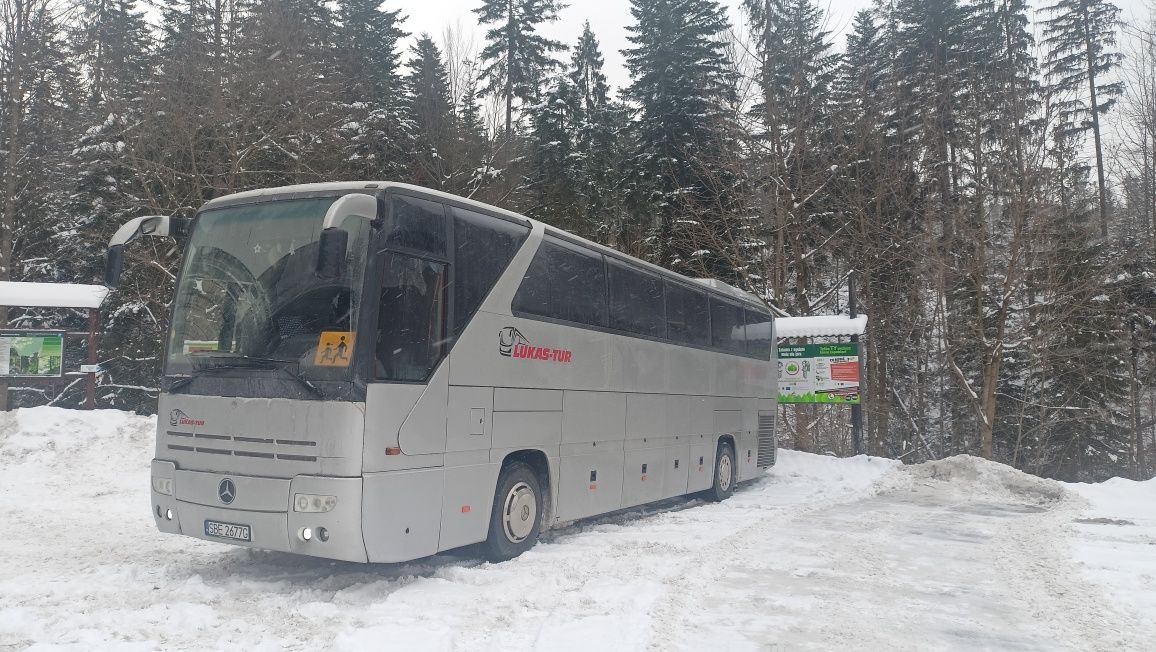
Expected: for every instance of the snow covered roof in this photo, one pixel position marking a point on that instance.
(51, 295)
(820, 326)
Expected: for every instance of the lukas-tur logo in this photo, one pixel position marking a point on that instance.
(179, 418)
(513, 344)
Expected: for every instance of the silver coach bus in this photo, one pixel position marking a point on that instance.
(376, 372)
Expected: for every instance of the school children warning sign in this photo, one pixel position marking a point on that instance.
(334, 349)
(819, 373)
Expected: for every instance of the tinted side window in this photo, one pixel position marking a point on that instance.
(411, 322)
(758, 335)
(687, 315)
(564, 282)
(726, 326)
(483, 247)
(636, 303)
(417, 224)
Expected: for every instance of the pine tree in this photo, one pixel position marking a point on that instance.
(288, 96)
(862, 69)
(551, 182)
(586, 73)
(370, 92)
(431, 110)
(1080, 352)
(518, 57)
(1080, 36)
(991, 145)
(598, 157)
(683, 88)
(796, 70)
(194, 122)
(113, 45)
(41, 98)
(475, 142)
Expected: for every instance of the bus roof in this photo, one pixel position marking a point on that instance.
(374, 187)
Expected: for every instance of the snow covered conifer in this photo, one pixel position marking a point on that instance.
(598, 159)
(369, 95)
(431, 110)
(1080, 36)
(517, 57)
(683, 86)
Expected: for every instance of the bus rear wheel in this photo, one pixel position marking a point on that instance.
(517, 514)
(724, 473)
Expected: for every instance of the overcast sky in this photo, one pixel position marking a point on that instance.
(609, 19)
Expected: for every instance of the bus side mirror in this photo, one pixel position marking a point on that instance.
(331, 248)
(332, 243)
(148, 225)
(113, 265)
(179, 227)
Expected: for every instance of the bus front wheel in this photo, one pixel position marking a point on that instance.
(724, 473)
(517, 513)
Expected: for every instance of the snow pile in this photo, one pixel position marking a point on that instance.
(819, 552)
(983, 479)
(824, 479)
(53, 435)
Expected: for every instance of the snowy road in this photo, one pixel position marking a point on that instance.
(819, 554)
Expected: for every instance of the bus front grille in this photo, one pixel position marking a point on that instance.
(767, 450)
(248, 448)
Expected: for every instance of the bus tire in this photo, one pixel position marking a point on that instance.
(724, 474)
(517, 514)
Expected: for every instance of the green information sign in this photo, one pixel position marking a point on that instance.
(819, 373)
(31, 354)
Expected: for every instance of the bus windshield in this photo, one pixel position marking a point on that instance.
(248, 292)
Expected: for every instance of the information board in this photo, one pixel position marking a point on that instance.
(31, 354)
(819, 373)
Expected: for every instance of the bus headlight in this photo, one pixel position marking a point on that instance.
(163, 486)
(313, 503)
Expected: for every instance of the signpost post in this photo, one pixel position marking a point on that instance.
(857, 407)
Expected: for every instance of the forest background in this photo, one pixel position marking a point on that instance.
(987, 169)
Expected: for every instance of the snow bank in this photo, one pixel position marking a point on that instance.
(984, 479)
(819, 552)
(51, 435)
(1115, 541)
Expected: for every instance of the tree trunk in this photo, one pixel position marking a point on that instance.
(1103, 192)
(17, 17)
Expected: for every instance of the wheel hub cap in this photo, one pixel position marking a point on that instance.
(724, 473)
(519, 512)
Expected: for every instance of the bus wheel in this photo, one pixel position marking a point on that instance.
(724, 474)
(517, 514)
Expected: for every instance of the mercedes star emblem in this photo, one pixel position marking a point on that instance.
(226, 491)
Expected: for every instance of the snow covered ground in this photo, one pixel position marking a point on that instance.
(820, 553)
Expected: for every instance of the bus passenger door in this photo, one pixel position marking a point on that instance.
(408, 386)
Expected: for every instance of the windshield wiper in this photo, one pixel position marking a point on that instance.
(234, 361)
(237, 361)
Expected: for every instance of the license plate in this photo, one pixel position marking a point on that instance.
(228, 531)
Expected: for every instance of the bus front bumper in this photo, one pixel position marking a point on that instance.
(265, 511)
